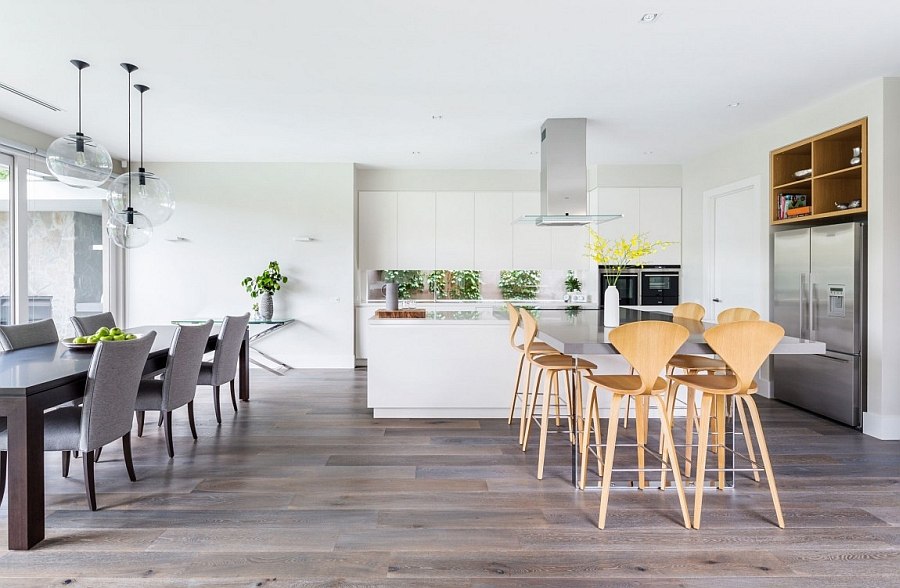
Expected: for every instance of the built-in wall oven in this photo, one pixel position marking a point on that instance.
(628, 284)
(647, 286)
(659, 286)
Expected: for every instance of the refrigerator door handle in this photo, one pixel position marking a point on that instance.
(803, 306)
(811, 297)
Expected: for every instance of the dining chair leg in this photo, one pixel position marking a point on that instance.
(88, 463)
(126, 452)
(216, 404)
(552, 383)
(66, 460)
(233, 397)
(190, 407)
(515, 395)
(139, 415)
(97, 454)
(706, 402)
(159, 423)
(671, 457)
(2, 474)
(167, 421)
(748, 437)
(764, 453)
(615, 405)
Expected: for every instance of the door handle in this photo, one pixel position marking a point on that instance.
(716, 300)
(804, 321)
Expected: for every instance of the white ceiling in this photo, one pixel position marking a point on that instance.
(359, 80)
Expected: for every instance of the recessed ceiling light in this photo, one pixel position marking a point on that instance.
(437, 117)
(648, 153)
(734, 105)
(534, 152)
(649, 16)
(417, 153)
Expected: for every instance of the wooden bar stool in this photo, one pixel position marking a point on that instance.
(537, 348)
(647, 346)
(698, 364)
(744, 346)
(552, 366)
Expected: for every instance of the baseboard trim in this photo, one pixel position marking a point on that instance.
(882, 426)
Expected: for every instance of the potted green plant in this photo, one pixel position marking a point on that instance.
(263, 287)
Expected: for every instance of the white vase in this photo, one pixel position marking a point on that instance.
(611, 307)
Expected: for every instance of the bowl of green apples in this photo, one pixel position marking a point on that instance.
(104, 334)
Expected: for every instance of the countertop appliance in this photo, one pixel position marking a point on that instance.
(818, 293)
(644, 286)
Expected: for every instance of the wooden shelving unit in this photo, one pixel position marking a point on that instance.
(832, 179)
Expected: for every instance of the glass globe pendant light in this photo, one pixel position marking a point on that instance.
(150, 194)
(76, 160)
(128, 228)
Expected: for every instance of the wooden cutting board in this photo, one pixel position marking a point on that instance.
(402, 313)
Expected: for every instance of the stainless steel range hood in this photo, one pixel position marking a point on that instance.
(564, 176)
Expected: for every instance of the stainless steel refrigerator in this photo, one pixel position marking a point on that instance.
(818, 293)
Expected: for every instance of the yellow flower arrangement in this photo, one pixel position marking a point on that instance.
(619, 253)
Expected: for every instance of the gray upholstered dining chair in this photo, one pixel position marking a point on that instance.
(28, 335)
(223, 368)
(90, 324)
(178, 384)
(105, 415)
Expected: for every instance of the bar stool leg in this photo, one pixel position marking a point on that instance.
(525, 404)
(610, 455)
(515, 396)
(640, 428)
(670, 457)
(586, 439)
(764, 453)
(531, 407)
(552, 386)
(690, 415)
(720, 439)
(748, 438)
(706, 402)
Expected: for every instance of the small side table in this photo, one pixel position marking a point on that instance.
(268, 327)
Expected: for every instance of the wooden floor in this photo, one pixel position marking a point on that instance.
(304, 488)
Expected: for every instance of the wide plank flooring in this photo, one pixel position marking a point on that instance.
(303, 487)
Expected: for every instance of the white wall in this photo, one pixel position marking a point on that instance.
(236, 218)
(634, 176)
(749, 156)
(444, 180)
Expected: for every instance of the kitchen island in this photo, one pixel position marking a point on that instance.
(458, 364)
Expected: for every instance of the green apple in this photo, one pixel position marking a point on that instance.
(118, 337)
(115, 331)
(102, 332)
(107, 338)
(129, 336)
(93, 339)
(80, 340)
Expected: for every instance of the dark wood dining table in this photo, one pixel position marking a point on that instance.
(37, 378)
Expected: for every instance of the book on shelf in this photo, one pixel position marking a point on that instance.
(793, 205)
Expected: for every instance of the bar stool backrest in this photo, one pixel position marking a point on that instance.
(733, 315)
(513, 324)
(530, 327)
(744, 346)
(648, 346)
(689, 310)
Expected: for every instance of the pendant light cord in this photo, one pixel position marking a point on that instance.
(142, 130)
(79, 101)
(129, 139)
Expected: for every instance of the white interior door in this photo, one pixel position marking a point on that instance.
(736, 249)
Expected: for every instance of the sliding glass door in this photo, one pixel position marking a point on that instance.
(7, 193)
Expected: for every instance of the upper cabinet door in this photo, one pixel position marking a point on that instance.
(624, 201)
(661, 221)
(493, 230)
(415, 230)
(377, 232)
(569, 248)
(531, 244)
(455, 230)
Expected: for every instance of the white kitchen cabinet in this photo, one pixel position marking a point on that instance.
(493, 230)
(377, 230)
(568, 248)
(624, 201)
(415, 230)
(532, 244)
(660, 217)
(455, 230)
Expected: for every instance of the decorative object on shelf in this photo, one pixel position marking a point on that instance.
(128, 228)
(616, 255)
(793, 205)
(409, 282)
(857, 156)
(391, 293)
(855, 204)
(143, 190)
(264, 287)
(803, 173)
(573, 289)
(76, 160)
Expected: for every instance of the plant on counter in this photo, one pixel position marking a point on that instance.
(268, 282)
(573, 284)
(409, 282)
(617, 254)
(455, 285)
(519, 284)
